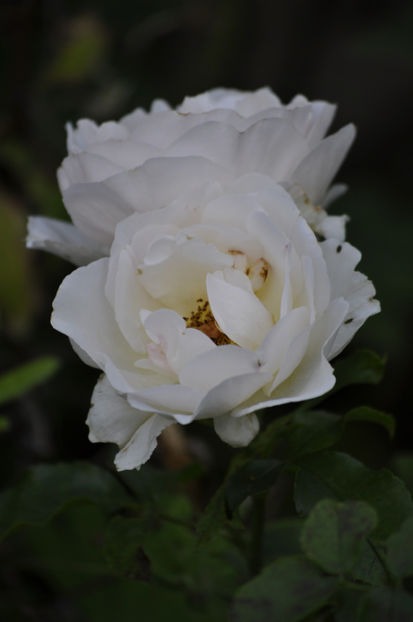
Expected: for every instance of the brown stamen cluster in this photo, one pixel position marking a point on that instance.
(203, 320)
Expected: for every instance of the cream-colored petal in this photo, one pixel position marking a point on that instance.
(83, 168)
(172, 400)
(274, 348)
(62, 239)
(314, 375)
(81, 311)
(316, 171)
(237, 431)
(111, 419)
(213, 367)
(95, 210)
(341, 259)
(238, 313)
(142, 444)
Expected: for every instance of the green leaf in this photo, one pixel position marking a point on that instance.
(250, 479)
(403, 467)
(383, 604)
(123, 547)
(339, 476)
(370, 415)
(47, 489)
(360, 367)
(16, 281)
(370, 568)
(81, 53)
(21, 379)
(400, 550)
(68, 554)
(215, 514)
(349, 602)
(281, 538)
(289, 590)
(333, 534)
(297, 434)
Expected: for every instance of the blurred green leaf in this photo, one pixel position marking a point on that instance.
(46, 489)
(334, 532)
(400, 550)
(81, 52)
(369, 567)
(360, 367)
(250, 479)
(289, 590)
(21, 379)
(16, 292)
(382, 604)
(281, 538)
(403, 467)
(68, 554)
(123, 547)
(349, 601)
(297, 434)
(371, 415)
(214, 515)
(339, 476)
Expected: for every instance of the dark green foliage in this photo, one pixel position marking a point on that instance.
(400, 550)
(141, 537)
(339, 476)
(288, 590)
(334, 533)
(47, 489)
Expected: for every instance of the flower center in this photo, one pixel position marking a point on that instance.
(202, 319)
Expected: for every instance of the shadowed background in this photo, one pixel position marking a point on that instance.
(62, 60)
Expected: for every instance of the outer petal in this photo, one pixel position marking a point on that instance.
(237, 431)
(95, 210)
(112, 420)
(341, 259)
(84, 168)
(270, 146)
(314, 376)
(62, 239)
(82, 312)
(317, 170)
(140, 447)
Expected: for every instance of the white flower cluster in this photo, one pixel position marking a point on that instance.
(205, 291)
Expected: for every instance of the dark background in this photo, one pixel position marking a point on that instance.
(62, 60)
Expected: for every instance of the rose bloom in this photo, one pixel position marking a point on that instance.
(205, 290)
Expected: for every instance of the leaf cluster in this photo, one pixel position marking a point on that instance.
(299, 530)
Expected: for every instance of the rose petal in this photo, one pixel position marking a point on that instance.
(341, 259)
(314, 376)
(211, 368)
(62, 239)
(237, 431)
(239, 314)
(318, 168)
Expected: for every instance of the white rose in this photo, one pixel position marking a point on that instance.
(147, 160)
(216, 299)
